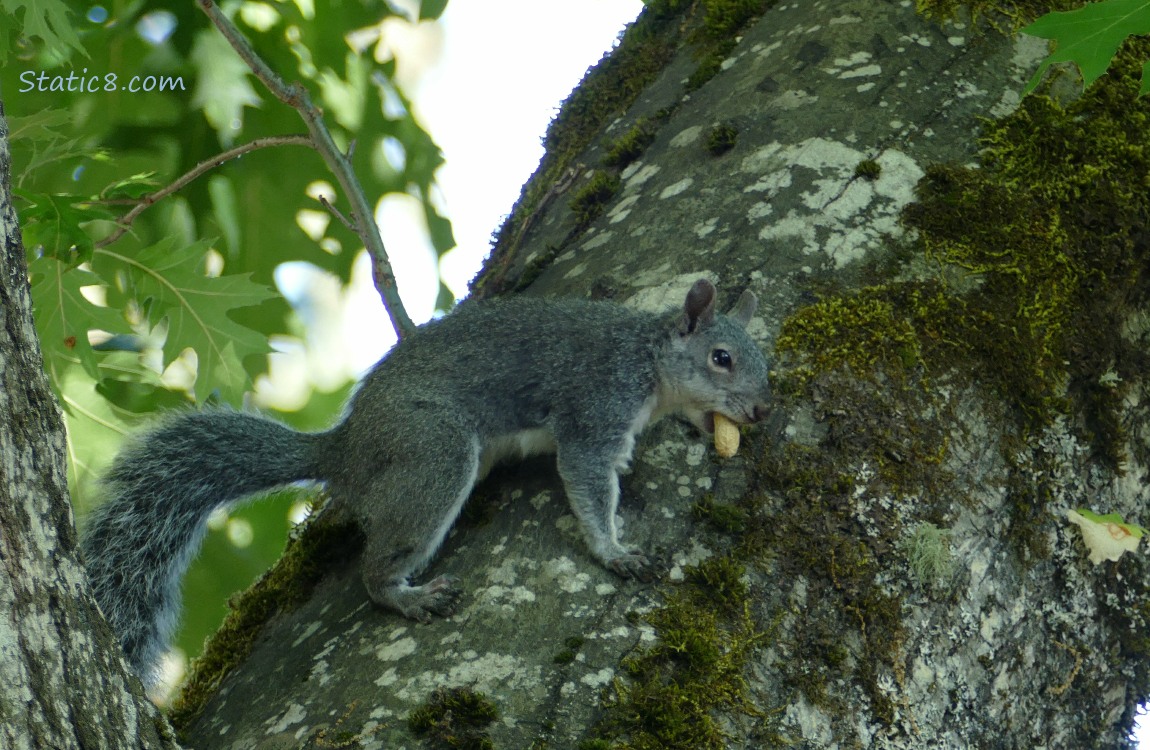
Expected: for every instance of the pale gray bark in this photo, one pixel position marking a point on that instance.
(63, 683)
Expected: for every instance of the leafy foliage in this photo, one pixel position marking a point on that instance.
(46, 20)
(168, 283)
(84, 156)
(1090, 37)
(189, 288)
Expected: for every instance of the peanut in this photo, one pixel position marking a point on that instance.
(726, 436)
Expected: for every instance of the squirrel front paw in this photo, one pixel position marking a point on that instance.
(632, 565)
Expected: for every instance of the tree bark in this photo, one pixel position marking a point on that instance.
(887, 562)
(62, 682)
(902, 583)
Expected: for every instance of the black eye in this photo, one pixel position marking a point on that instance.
(721, 358)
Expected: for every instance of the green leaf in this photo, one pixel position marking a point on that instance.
(52, 222)
(223, 196)
(429, 10)
(222, 85)
(131, 188)
(1090, 36)
(442, 236)
(100, 412)
(46, 20)
(95, 427)
(1145, 88)
(40, 126)
(445, 299)
(169, 282)
(64, 316)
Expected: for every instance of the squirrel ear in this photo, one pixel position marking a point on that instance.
(744, 309)
(699, 307)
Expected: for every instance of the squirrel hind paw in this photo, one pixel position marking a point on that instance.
(439, 596)
(633, 565)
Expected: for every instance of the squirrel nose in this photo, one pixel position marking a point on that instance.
(760, 412)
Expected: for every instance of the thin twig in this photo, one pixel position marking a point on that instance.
(346, 221)
(296, 96)
(142, 204)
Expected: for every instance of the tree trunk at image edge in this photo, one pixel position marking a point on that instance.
(62, 683)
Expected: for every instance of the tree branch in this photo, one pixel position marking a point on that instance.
(180, 182)
(296, 96)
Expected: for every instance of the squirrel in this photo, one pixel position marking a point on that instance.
(489, 381)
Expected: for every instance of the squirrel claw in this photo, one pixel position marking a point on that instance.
(632, 565)
(439, 596)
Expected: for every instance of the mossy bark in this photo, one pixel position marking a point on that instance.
(887, 562)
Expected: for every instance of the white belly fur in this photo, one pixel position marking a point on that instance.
(516, 445)
(525, 443)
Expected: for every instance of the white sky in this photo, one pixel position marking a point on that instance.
(503, 68)
(485, 82)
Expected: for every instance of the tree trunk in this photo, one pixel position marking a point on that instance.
(887, 563)
(62, 684)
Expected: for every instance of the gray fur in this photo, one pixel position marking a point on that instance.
(490, 381)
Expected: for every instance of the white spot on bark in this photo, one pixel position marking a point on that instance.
(397, 650)
(598, 679)
(703, 228)
(293, 715)
(672, 190)
(847, 215)
(640, 176)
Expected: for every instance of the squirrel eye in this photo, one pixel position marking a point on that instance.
(721, 358)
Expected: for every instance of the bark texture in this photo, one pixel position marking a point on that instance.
(62, 682)
(898, 568)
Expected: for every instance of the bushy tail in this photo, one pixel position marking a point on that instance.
(160, 491)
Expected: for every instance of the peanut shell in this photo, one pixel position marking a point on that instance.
(726, 436)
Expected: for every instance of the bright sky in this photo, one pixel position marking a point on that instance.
(485, 82)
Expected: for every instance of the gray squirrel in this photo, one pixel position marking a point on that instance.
(487, 382)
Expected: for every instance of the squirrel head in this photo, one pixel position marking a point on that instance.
(712, 365)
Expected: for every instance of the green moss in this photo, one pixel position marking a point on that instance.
(320, 547)
(856, 332)
(1006, 16)
(868, 169)
(592, 198)
(721, 580)
(568, 654)
(721, 139)
(1053, 226)
(597, 744)
(454, 719)
(630, 146)
(716, 35)
(730, 519)
(927, 551)
(673, 690)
